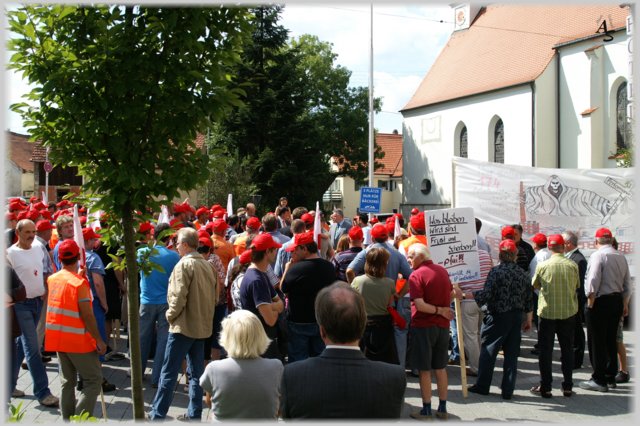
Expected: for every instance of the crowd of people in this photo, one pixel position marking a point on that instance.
(253, 309)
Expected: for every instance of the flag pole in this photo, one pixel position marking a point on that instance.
(371, 130)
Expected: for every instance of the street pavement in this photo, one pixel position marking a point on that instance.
(617, 405)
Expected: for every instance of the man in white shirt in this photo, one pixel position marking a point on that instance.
(27, 259)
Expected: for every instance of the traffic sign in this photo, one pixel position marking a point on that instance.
(370, 199)
(48, 167)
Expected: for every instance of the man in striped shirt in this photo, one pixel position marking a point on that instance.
(557, 280)
(472, 314)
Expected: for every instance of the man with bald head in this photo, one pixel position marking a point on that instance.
(313, 388)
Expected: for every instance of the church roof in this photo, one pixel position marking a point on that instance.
(507, 45)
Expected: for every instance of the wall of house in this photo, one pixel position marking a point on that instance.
(431, 133)
(27, 183)
(12, 178)
(590, 73)
(545, 149)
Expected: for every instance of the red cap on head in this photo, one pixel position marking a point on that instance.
(45, 214)
(245, 257)
(253, 223)
(219, 226)
(508, 231)
(390, 225)
(10, 216)
(83, 220)
(205, 241)
(176, 224)
(33, 199)
(62, 204)
(555, 240)
(603, 233)
(301, 240)
(399, 215)
(203, 233)
(201, 211)
(264, 242)
(373, 220)
(417, 221)
(215, 207)
(219, 213)
(16, 205)
(39, 206)
(355, 233)
(22, 215)
(414, 211)
(539, 238)
(307, 218)
(33, 214)
(89, 234)
(43, 225)
(68, 249)
(508, 245)
(379, 231)
(145, 227)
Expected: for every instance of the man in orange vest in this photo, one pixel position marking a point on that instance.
(71, 331)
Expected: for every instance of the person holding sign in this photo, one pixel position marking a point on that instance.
(506, 296)
(431, 294)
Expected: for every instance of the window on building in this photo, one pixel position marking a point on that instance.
(463, 143)
(384, 184)
(498, 142)
(623, 127)
(359, 184)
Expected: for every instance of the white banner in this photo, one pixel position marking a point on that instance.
(548, 201)
(451, 238)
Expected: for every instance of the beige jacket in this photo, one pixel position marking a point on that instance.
(192, 297)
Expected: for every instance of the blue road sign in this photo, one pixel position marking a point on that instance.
(370, 199)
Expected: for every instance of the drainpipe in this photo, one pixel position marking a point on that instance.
(557, 108)
(533, 124)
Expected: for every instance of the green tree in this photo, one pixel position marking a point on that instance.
(120, 92)
(298, 114)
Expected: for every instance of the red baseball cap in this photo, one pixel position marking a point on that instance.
(555, 240)
(22, 215)
(202, 233)
(373, 220)
(245, 257)
(390, 225)
(508, 231)
(301, 240)
(253, 223)
(603, 233)
(181, 208)
(16, 205)
(205, 241)
(176, 224)
(68, 249)
(219, 226)
(264, 242)
(379, 231)
(89, 234)
(539, 238)
(307, 218)
(145, 227)
(39, 206)
(201, 211)
(83, 220)
(215, 207)
(219, 213)
(43, 225)
(355, 233)
(417, 221)
(33, 214)
(415, 211)
(45, 214)
(10, 216)
(508, 245)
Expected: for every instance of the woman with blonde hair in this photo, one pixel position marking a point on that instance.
(244, 385)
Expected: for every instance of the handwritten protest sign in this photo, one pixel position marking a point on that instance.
(451, 237)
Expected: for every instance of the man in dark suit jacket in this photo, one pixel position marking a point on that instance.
(572, 252)
(341, 383)
(339, 227)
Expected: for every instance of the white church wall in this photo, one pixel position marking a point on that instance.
(430, 135)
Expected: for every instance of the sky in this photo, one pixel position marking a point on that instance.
(406, 41)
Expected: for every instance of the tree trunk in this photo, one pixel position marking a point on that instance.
(133, 314)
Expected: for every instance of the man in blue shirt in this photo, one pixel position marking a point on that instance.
(153, 301)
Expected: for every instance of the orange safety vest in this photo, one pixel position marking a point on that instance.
(65, 330)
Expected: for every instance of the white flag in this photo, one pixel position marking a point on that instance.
(317, 225)
(44, 198)
(397, 231)
(164, 215)
(229, 205)
(77, 234)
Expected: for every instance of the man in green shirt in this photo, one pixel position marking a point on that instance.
(557, 280)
